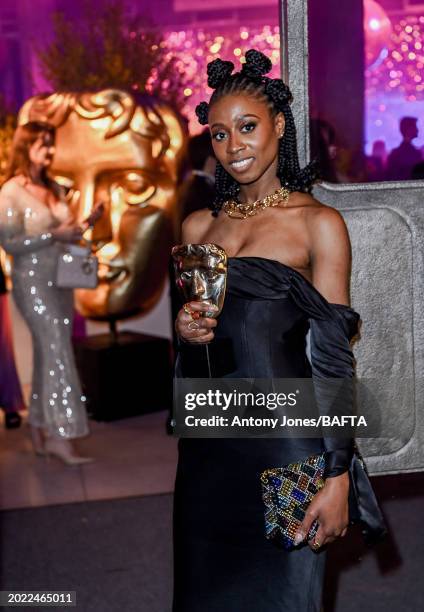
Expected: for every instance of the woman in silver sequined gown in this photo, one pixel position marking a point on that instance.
(33, 223)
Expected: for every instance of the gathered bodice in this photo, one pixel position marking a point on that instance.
(268, 309)
(280, 305)
(259, 335)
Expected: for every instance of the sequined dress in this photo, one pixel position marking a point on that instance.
(57, 402)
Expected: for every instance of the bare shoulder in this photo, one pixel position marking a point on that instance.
(324, 222)
(11, 186)
(196, 225)
(329, 250)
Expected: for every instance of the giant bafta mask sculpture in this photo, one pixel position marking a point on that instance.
(127, 155)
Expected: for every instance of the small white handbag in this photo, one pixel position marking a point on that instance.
(77, 268)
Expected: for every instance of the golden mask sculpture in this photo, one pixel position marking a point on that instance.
(201, 274)
(127, 155)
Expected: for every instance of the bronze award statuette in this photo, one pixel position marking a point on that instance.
(201, 274)
(125, 151)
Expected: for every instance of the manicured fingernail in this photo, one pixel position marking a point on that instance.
(298, 538)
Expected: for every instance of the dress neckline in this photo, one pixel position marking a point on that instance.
(272, 261)
(39, 201)
(291, 271)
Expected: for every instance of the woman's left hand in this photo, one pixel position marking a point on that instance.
(95, 215)
(330, 507)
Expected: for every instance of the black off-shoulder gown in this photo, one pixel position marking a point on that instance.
(222, 560)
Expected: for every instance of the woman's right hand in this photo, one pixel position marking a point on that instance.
(195, 331)
(67, 232)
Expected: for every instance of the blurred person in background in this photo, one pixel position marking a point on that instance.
(324, 148)
(34, 220)
(379, 150)
(198, 190)
(403, 158)
(11, 399)
(376, 162)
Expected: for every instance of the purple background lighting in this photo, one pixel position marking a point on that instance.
(394, 85)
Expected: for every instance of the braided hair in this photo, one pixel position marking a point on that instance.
(277, 96)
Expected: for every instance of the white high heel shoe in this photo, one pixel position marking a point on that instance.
(62, 449)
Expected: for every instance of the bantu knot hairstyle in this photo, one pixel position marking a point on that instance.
(202, 111)
(251, 81)
(218, 72)
(256, 65)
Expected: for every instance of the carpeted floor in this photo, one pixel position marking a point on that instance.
(117, 554)
(388, 577)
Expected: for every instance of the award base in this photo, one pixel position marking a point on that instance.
(124, 375)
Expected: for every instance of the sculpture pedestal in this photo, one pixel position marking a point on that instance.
(124, 375)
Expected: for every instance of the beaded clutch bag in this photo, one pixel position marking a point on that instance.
(287, 493)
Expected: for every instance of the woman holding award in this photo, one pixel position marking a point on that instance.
(289, 262)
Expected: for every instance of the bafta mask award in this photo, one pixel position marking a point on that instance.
(201, 274)
(125, 151)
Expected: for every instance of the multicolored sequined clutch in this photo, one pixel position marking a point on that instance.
(287, 493)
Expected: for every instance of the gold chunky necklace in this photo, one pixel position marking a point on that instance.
(238, 210)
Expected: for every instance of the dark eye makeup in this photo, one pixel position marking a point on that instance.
(218, 136)
(245, 128)
(248, 127)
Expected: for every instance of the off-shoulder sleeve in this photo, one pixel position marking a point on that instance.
(12, 230)
(333, 327)
(333, 365)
